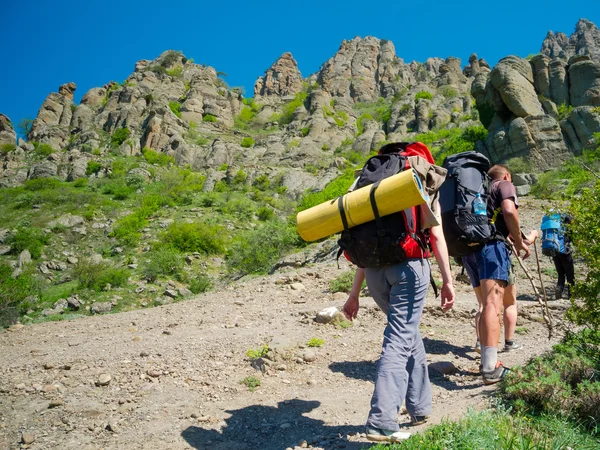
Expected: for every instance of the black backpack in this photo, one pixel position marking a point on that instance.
(390, 239)
(465, 232)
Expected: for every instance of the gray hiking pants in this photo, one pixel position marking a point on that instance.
(402, 368)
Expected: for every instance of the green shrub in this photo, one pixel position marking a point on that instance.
(80, 182)
(14, 291)
(247, 142)
(254, 353)
(93, 167)
(251, 382)
(195, 237)
(315, 342)
(163, 261)
(343, 282)
(305, 131)
(209, 118)
(127, 229)
(239, 206)
(119, 136)
(360, 120)
(97, 275)
(519, 165)
(564, 111)
(256, 251)
(174, 107)
(159, 158)
(39, 184)
(175, 72)
(262, 182)
(448, 91)
(265, 213)
(29, 238)
(43, 150)
(7, 148)
(287, 113)
(423, 94)
(201, 283)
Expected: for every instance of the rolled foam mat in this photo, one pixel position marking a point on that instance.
(395, 193)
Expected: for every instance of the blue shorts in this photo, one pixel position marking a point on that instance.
(469, 262)
(493, 262)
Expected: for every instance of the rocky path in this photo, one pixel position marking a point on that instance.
(169, 377)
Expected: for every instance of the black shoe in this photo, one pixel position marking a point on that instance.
(418, 420)
(566, 293)
(496, 375)
(558, 292)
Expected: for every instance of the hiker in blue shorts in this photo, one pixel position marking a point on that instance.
(493, 263)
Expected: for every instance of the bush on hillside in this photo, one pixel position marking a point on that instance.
(29, 238)
(154, 157)
(98, 275)
(256, 251)
(195, 237)
(423, 94)
(162, 262)
(334, 189)
(14, 291)
(119, 136)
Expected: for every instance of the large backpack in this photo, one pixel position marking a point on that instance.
(464, 231)
(553, 235)
(390, 239)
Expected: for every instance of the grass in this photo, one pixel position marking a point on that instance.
(315, 342)
(497, 429)
(254, 353)
(251, 383)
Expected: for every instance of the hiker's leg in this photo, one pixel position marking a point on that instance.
(510, 311)
(409, 282)
(418, 394)
(558, 263)
(569, 268)
(479, 296)
(379, 287)
(494, 269)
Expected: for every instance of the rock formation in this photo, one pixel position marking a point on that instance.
(282, 79)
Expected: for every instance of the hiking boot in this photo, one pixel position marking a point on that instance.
(478, 347)
(558, 292)
(514, 345)
(379, 435)
(566, 293)
(495, 375)
(418, 420)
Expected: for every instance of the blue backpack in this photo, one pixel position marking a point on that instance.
(553, 235)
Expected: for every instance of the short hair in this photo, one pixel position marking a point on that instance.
(498, 171)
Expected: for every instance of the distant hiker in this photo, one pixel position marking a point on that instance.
(509, 300)
(556, 243)
(493, 263)
(399, 289)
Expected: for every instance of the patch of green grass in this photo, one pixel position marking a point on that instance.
(200, 283)
(247, 142)
(209, 118)
(254, 353)
(7, 148)
(93, 167)
(251, 383)
(287, 112)
(522, 330)
(119, 136)
(423, 95)
(154, 157)
(343, 282)
(29, 238)
(97, 275)
(334, 189)
(163, 261)
(174, 107)
(315, 342)
(43, 150)
(564, 111)
(195, 237)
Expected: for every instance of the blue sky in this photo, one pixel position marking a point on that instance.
(47, 43)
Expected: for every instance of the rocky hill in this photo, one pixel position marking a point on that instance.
(159, 186)
(541, 108)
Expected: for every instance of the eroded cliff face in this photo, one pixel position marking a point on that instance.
(543, 109)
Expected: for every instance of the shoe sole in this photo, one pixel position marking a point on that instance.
(420, 422)
(380, 438)
(492, 381)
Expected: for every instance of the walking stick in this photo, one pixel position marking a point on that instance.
(542, 300)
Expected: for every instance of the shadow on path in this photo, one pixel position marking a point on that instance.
(273, 428)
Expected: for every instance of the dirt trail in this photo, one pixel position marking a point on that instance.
(175, 370)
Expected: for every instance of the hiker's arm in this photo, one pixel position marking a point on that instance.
(351, 306)
(440, 250)
(511, 218)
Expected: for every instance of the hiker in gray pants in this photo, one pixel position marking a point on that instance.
(400, 292)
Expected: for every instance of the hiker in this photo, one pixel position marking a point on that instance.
(402, 374)
(469, 262)
(493, 264)
(562, 255)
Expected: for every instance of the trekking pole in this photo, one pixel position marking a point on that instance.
(542, 300)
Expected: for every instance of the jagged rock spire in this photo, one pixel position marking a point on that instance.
(283, 78)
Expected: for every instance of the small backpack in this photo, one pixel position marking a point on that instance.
(553, 235)
(390, 239)
(464, 231)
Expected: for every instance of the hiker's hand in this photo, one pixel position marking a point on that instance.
(447, 296)
(350, 308)
(522, 247)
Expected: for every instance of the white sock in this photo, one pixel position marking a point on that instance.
(489, 358)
